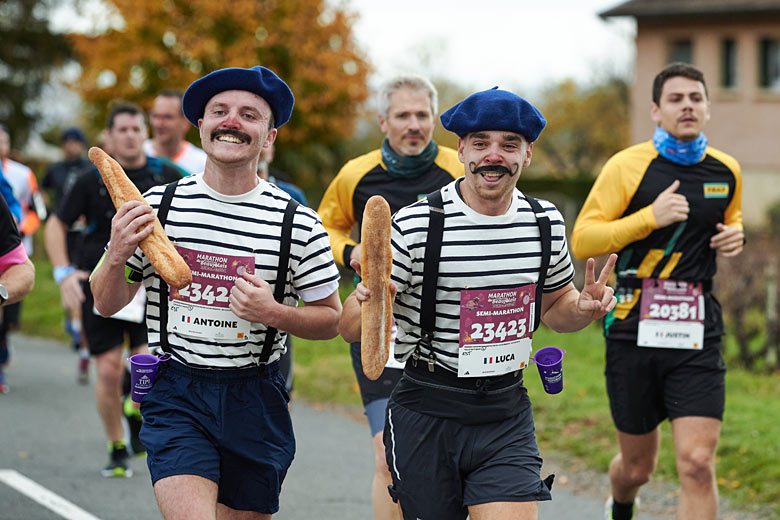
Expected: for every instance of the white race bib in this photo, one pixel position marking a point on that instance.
(134, 312)
(202, 309)
(495, 335)
(671, 314)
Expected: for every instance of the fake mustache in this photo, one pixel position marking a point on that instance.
(228, 131)
(493, 169)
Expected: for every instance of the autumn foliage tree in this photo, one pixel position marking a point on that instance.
(168, 44)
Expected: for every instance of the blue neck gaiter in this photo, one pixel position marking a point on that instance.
(680, 152)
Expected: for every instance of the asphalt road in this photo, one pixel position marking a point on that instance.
(52, 449)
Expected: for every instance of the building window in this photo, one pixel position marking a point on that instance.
(769, 64)
(728, 63)
(680, 50)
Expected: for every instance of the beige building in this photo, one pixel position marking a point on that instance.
(736, 43)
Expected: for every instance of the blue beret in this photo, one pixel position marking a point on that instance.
(258, 80)
(494, 109)
(73, 134)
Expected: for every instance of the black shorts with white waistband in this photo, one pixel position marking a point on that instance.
(452, 443)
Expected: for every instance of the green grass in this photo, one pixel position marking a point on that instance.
(42, 313)
(575, 422)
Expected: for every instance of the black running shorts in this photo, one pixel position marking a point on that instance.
(647, 385)
(440, 466)
(104, 334)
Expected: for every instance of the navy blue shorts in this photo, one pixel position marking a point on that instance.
(229, 426)
(440, 466)
(647, 385)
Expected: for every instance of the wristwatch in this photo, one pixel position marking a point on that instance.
(3, 294)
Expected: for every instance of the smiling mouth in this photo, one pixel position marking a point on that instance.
(230, 136)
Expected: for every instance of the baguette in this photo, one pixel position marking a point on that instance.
(157, 248)
(375, 264)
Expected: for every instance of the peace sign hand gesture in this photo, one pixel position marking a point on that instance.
(596, 298)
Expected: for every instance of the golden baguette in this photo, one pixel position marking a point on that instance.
(375, 264)
(157, 248)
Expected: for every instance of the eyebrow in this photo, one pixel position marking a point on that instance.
(219, 104)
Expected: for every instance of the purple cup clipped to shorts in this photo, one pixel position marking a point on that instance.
(549, 362)
(143, 369)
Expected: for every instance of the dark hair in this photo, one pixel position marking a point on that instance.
(123, 107)
(673, 70)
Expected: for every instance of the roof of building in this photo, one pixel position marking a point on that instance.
(666, 8)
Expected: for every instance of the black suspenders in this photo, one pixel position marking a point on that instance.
(162, 216)
(431, 271)
(281, 272)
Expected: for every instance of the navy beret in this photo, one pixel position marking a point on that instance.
(73, 134)
(494, 109)
(258, 80)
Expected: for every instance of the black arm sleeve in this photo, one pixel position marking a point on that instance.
(10, 237)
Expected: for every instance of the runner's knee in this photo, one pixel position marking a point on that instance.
(696, 467)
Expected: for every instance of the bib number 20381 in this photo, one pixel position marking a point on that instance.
(671, 314)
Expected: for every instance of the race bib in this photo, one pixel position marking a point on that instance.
(202, 309)
(671, 314)
(134, 312)
(495, 330)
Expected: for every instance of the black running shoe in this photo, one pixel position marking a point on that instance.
(118, 462)
(134, 423)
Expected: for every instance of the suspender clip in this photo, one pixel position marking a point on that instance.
(432, 362)
(416, 356)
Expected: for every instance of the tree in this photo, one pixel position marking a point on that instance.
(168, 44)
(585, 126)
(29, 52)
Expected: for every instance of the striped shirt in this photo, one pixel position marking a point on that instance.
(250, 224)
(478, 252)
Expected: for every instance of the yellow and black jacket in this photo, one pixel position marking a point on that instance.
(365, 176)
(617, 218)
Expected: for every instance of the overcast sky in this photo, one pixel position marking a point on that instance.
(512, 43)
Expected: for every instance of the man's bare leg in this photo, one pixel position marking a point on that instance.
(631, 468)
(695, 441)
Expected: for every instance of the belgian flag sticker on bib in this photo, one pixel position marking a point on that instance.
(202, 309)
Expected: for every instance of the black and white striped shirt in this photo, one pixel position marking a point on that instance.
(478, 252)
(238, 225)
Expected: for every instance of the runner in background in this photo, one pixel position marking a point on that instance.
(59, 178)
(408, 166)
(668, 207)
(169, 129)
(125, 132)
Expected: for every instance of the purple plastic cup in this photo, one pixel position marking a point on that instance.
(549, 362)
(143, 368)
